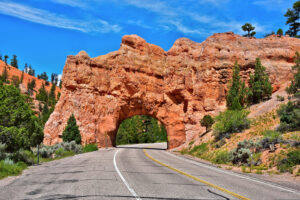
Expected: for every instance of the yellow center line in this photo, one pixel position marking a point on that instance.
(196, 179)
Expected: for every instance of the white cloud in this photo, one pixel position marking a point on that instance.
(73, 3)
(184, 29)
(52, 19)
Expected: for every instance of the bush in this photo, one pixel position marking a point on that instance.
(223, 157)
(59, 152)
(293, 158)
(2, 151)
(90, 148)
(279, 98)
(229, 122)
(289, 117)
(25, 156)
(8, 168)
(270, 139)
(207, 121)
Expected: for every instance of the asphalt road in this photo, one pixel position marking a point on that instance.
(128, 172)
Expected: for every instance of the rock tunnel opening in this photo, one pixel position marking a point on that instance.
(140, 129)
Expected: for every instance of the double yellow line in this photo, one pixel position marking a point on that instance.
(196, 179)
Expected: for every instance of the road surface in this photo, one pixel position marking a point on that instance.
(130, 172)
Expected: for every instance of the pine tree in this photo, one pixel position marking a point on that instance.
(293, 19)
(280, 32)
(15, 81)
(52, 97)
(1, 57)
(294, 88)
(71, 132)
(42, 94)
(43, 76)
(30, 87)
(45, 114)
(259, 84)
(237, 94)
(14, 62)
(249, 29)
(5, 59)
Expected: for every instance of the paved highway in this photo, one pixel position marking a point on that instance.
(130, 172)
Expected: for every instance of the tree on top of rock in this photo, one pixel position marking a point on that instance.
(293, 16)
(236, 98)
(71, 132)
(280, 32)
(260, 87)
(249, 29)
(14, 62)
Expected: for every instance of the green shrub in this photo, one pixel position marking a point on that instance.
(222, 157)
(207, 121)
(59, 152)
(2, 151)
(90, 148)
(229, 122)
(199, 149)
(286, 164)
(11, 169)
(25, 156)
(289, 117)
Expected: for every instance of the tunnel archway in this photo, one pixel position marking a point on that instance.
(140, 129)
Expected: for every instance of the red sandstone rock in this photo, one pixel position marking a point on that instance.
(177, 87)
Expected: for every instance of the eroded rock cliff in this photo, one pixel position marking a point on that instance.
(176, 87)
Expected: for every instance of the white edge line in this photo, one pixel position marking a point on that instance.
(123, 179)
(234, 174)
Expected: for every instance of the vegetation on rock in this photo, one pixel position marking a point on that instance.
(71, 132)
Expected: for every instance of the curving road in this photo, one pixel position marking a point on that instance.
(129, 172)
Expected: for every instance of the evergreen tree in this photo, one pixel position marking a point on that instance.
(54, 78)
(22, 77)
(43, 76)
(15, 81)
(42, 94)
(237, 94)
(259, 84)
(249, 29)
(30, 87)
(207, 121)
(71, 132)
(280, 32)
(294, 88)
(1, 57)
(31, 71)
(5, 59)
(293, 19)
(45, 114)
(4, 76)
(52, 97)
(14, 62)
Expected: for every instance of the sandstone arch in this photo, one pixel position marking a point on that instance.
(176, 87)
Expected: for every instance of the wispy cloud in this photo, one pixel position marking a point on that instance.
(52, 19)
(72, 3)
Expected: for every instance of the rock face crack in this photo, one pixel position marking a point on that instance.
(177, 87)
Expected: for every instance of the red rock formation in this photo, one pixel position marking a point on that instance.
(176, 87)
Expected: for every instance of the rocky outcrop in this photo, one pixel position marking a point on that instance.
(176, 87)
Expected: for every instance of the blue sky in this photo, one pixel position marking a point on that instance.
(43, 32)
